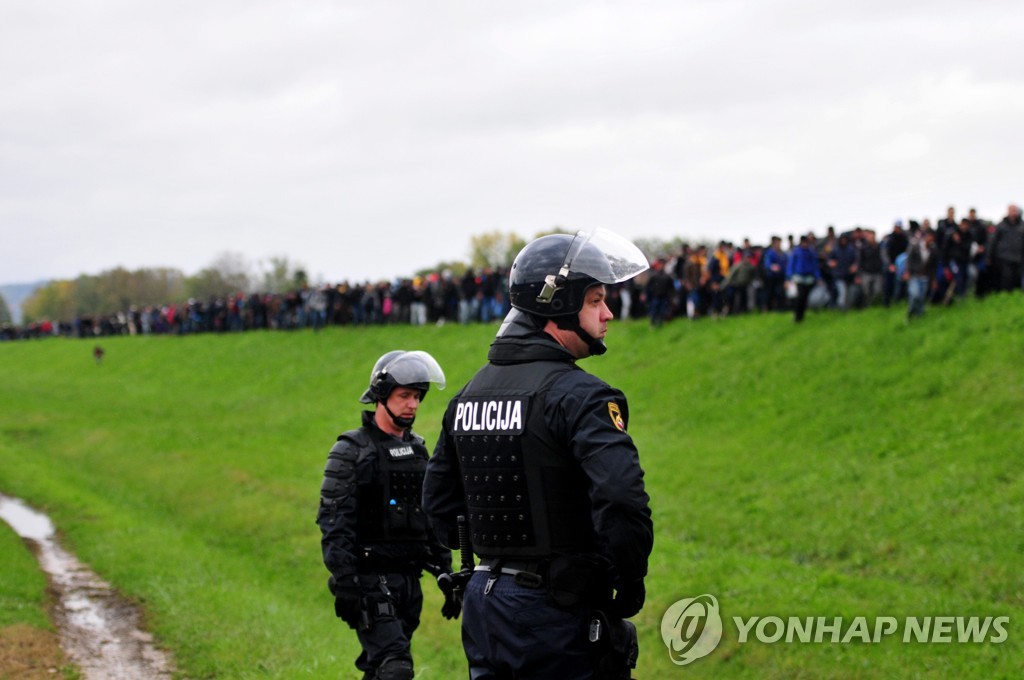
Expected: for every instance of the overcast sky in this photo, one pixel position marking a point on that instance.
(369, 139)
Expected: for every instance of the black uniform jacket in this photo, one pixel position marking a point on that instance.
(348, 517)
(588, 419)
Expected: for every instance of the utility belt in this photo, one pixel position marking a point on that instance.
(525, 574)
(570, 580)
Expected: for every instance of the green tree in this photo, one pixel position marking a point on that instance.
(157, 286)
(5, 312)
(494, 249)
(105, 293)
(86, 296)
(54, 301)
(115, 290)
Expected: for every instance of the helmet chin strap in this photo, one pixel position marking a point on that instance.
(571, 322)
(404, 423)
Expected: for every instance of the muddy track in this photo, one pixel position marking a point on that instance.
(99, 630)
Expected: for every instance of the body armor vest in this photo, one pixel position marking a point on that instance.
(525, 494)
(388, 507)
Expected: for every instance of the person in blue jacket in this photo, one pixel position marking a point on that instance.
(802, 271)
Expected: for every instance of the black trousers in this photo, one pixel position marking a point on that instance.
(803, 292)
(1009, 275)
(513, 631)
(393, 607)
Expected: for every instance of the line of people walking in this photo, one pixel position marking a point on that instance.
(915, 262)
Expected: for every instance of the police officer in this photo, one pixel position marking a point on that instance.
(375, 537)
(534, 453)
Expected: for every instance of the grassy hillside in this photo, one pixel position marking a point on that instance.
(21, 596)
(850, 466)
(29, 647)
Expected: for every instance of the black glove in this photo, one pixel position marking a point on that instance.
(452, 606)
(452, 586)
(629, 599)
(348, 598)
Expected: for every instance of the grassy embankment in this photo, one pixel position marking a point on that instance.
(29, 647)
(851, 466)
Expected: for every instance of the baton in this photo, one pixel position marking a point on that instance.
(456, 582)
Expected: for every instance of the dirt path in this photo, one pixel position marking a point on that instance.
(99, 630)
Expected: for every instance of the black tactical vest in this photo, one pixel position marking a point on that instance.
(388, 509)
(525, 494)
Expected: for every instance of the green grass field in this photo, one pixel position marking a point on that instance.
(24, 586)
(850, 466)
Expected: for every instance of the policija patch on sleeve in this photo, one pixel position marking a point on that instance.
(616, 415)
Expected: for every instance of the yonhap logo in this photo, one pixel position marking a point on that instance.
(691, 628)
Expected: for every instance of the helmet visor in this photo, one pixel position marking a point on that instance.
(605, 256)
(415, 367)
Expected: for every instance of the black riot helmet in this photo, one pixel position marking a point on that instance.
(406, 369)
(551, 275)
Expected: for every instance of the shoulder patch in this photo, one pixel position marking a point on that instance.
(616, 415)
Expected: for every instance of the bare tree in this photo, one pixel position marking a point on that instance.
(280, 275)
(228, 274)
(656, 248)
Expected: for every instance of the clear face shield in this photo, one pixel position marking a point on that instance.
(550, 275)
(600, 254)
(410, 368)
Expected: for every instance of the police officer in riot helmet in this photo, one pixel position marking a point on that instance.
(534, 454)
(375, 537)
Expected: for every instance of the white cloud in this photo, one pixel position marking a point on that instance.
(370, 139)
(907, 146)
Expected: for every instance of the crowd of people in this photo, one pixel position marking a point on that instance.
(913, 263)
(433, 298)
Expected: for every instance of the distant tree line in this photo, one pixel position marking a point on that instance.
(120, 288)
(5, 311)
(229, 274)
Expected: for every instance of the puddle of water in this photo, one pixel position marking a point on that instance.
(26, 522)
(99, 630)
